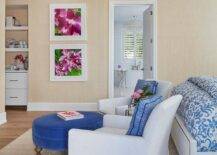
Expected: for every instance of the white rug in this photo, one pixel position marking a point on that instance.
(23, 145)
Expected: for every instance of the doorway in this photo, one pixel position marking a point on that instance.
(132, 52)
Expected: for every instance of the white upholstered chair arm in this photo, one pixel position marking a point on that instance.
(83, 142)
(108, 105)
(116, 121)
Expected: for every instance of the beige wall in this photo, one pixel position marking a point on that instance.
(2, 55)
(187, 46)
(41, 89)
(187, 39)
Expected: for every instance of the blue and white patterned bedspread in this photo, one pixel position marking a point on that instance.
(198, 110)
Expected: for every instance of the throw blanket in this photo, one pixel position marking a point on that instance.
(198, 110)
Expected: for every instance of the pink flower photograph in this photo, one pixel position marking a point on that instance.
(68, 22)
(68, 62)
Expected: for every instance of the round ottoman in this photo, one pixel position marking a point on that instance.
(51, 132)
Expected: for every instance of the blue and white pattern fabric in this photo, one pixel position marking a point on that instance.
(208, 84)
(141, 115)
(152, 85)
(198, 111)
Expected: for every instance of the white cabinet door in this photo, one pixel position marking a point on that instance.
(16, 80)
(16, 97)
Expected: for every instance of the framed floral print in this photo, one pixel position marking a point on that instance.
(68, 22)
(68, 62)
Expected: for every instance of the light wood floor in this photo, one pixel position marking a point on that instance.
(18, 122)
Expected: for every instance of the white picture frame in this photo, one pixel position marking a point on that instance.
(56, 74)
(54, 29)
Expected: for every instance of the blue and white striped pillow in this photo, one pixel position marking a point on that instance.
(141, 115)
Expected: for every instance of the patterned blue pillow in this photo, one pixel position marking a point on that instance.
(141, 115)
(152, 85)
(206, 83)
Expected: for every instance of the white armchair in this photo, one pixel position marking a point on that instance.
(112, 138)
(110, 106)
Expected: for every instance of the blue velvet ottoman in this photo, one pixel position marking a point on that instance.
(51, 132)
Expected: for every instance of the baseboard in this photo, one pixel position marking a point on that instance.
(44, 106)
(3, 118)
(17, 108)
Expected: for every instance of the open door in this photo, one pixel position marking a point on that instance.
(148, 46)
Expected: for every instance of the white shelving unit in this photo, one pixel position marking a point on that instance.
(16, 81)
(16, 71)
(16, 49)
(17, 28)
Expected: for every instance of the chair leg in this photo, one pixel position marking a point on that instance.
(38, 150)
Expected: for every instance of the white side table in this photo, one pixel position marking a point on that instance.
(124, 110)
(120, 110)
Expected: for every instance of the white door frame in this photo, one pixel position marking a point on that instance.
(112, 4)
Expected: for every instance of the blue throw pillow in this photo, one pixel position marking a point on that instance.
(152, 85)
(141, 115)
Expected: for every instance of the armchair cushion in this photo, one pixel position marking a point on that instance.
(116, 121)
(83, 142)
(112, 130)
(108, 105)
(141, 115)
(121, 110)
(152, 85)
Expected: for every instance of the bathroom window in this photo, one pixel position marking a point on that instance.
(133, 45)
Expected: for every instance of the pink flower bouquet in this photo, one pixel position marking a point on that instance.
(137, 95)
(140, 94)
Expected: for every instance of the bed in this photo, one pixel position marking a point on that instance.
(185, 143)
(195, 127)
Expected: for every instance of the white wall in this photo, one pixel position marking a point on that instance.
(2, 56)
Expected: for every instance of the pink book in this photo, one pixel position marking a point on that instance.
(70, 115)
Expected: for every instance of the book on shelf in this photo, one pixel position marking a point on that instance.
(70, 115)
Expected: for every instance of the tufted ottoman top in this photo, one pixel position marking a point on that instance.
(51, 132)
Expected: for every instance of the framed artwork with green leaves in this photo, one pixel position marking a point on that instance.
(68, 62)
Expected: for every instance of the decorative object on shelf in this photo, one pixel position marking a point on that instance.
(68, 62)
(22, 44)
(12, 43)
(10, 21)
(17, 22)
(19, 62)
(26, 63)
(68, 22)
